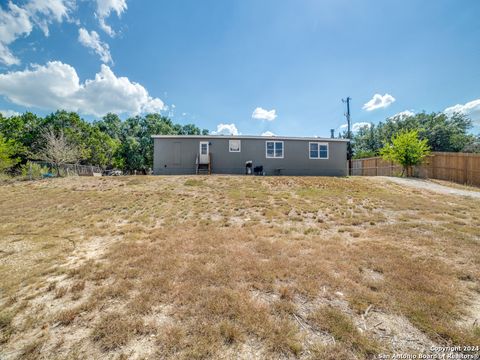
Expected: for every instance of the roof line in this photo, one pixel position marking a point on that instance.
(311, 138)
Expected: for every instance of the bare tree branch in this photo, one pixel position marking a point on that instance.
(57, 149)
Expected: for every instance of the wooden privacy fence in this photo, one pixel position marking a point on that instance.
(463, 168)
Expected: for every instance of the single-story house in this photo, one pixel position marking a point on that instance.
(261, 155)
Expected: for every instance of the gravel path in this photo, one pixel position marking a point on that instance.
(428, 185)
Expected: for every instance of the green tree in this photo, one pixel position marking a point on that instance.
(95, 142)
(108, 142)
(102, 150)
(474, 146)
(111, 125)
(365, 143)
(442, 132)
(7, 154)
(130, 151)
(23, 131)
(406, 149)
(362, 154)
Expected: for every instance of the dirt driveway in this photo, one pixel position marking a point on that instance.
(429, 185)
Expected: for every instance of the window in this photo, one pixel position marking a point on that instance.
(318, 150)
(203, 148)
(234, 145)
(274, 149)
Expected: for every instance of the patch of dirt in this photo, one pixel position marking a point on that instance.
(93, 249)
(472, 316)
(397, 331)
(428, 185)
(46, 304)
(373, 275)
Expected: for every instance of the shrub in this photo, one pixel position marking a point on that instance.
(7, 152)
(406, 149)
(32, 171)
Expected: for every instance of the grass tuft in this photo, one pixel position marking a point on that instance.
(115, 330)
(342, 328)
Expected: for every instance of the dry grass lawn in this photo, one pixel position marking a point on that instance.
(234, 267)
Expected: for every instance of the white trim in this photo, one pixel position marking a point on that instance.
(318, 144)
(239, 146)
(203, 158)
(200, 149)
(274, 149)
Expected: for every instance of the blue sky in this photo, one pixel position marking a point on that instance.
(245, 66)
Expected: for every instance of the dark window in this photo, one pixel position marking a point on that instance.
(318, 150)
(274, 149)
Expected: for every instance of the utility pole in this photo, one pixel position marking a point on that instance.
(349, 135)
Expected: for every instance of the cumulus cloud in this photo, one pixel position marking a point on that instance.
(14, 22)
(17, 21)
(378, 102)
(226, 129)
(471, 109)
(268, 133)
(57, 86)
(356, 126)
(8, 113)
(262, 114)
(44, 12)
(105, 8)
(92, 41)
(403, 114)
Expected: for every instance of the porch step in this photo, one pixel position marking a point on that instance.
(203, 169)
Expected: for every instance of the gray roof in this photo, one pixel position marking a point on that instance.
(246, 137)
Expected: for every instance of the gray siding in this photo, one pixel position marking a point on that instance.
(177, 156)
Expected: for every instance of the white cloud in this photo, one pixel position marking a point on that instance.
(403, 114)
(471, 109)
(263, 114)
(17, 21)
(226, 129)
(356, 126)
(92, 40)
(105, 8)
(267, 133)
(56, 86)
(14, 22)
(8, 113)
(44, 12)
(378, 102)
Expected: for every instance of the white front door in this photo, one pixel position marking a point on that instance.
(203, 152)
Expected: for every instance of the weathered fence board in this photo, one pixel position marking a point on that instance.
(463, 168)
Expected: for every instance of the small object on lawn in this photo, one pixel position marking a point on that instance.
(248, 167)
(381, 322)
(47, 175)
(258, 170)
(368, 309)
(301, 324)
(364, 324)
